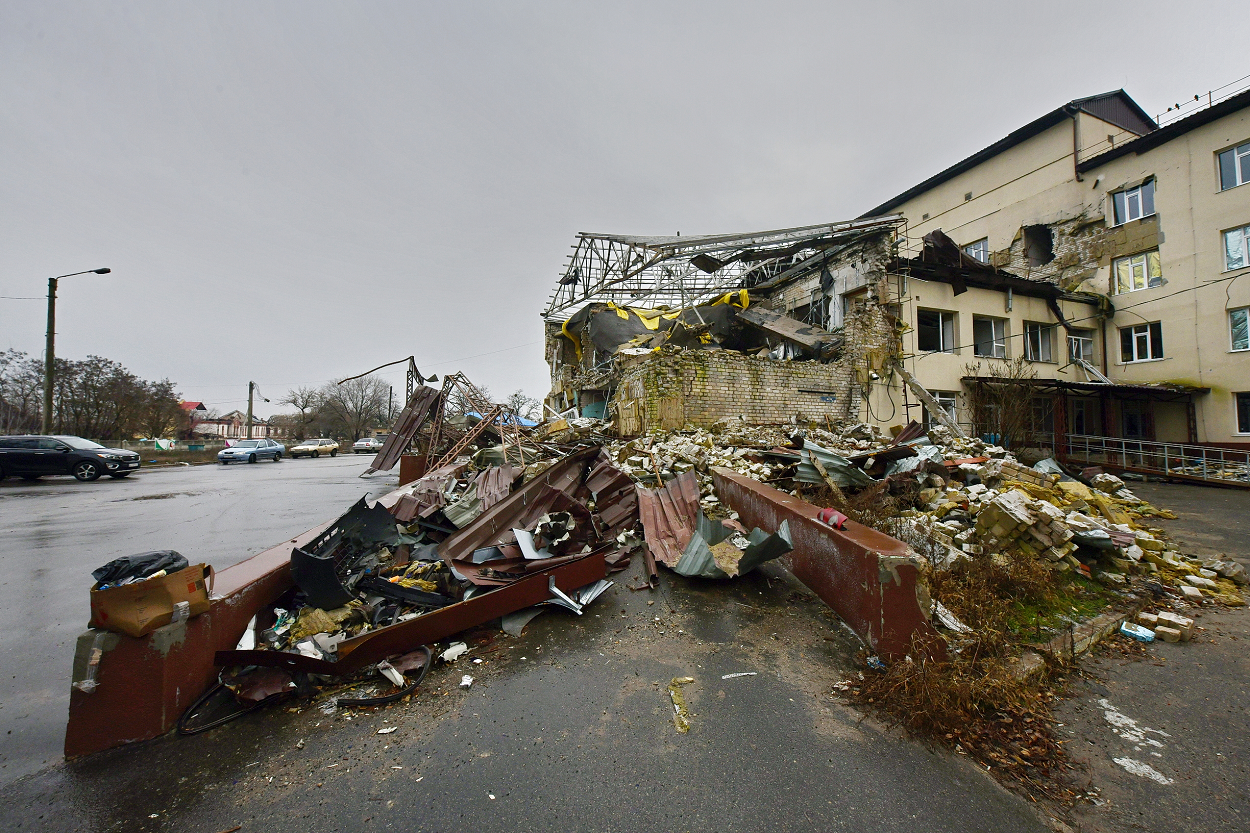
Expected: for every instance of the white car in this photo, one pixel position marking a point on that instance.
(367, 445)
(315, 448)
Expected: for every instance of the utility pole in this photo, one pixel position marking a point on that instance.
(49, 366)
(252, 388)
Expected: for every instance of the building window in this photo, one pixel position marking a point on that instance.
(1141, 343)
(1038, 340)
(1235, 167)
(979, 249)
(1084, 416)
(989, 337)
(1243, 413)
(1137, 272)
(1134, 203)
(1081, 345)
(935, 331)
(946, 401)
(1239, 328)
(1235, 248)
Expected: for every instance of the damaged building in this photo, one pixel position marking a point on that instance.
(763, 327)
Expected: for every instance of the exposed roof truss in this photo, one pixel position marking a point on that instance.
(680, 271)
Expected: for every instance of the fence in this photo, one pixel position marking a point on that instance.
(1202, 463)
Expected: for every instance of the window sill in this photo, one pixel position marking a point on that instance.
(1143, 361)
(1135, 220)
(1240, 350)
(1040, 361)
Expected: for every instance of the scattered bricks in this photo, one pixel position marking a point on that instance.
(1167, 634)
(1211, 574)
(1108, 483)
(1147, 619)
(1199, 581)
(1148, 543)
(1233, 571)
(1192, 593)
(1111, 578)
(1181, 623)
(1134, 553)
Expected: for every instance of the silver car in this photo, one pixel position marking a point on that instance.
(251, 451)
(367, 445)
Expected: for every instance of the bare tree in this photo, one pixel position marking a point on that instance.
(357, 405)
(309, 404)
(1000, 400)
(524, 406)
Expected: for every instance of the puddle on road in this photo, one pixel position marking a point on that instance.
(164, 496)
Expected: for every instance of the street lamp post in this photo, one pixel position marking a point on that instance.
(49, 352)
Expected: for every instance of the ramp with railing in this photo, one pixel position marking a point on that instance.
(1197, 463)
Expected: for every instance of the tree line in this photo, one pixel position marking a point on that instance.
(94, 397)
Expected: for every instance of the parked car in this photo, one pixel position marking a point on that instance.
(367, 445)
(251, 451)
(31, 457)
(315, 448)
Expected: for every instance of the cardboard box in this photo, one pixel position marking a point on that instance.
(140, 608)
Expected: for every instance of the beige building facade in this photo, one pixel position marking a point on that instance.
(1141, 234)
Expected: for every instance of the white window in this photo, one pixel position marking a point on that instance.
(1081, 345)
(1137, 272)
(1038, 341)
(946, 401)
(1141, 342)
(1134, 203)
(1236, 249)
(1235, 167)
(989, 337)
(979, 249)
(935, 331)
(1239, 328)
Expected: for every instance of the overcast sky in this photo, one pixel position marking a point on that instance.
(296, 192)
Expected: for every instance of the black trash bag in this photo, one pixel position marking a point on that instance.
(139, 566)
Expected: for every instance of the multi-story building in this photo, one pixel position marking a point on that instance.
(1107, 251)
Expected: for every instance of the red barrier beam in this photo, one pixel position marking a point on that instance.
(871, 580)
(145, 684)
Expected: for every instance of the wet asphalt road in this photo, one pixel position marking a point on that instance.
(568, 726)
(55, 531)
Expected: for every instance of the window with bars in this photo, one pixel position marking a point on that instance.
(1141, 342)
(1140, 271)
(1234, 166)
(1134, 203)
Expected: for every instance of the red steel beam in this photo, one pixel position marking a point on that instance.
(871, 580)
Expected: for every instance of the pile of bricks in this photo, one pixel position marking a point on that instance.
(1169, 627)
(1015, 520)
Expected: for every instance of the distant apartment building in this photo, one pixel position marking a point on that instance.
(1111, 253)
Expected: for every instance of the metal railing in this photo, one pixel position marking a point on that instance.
(1209, 464)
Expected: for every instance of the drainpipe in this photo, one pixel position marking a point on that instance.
(1076, 144)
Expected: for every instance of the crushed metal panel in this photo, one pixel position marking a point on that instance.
(843, 471)
(420, 404)
(670, 516)
(809, 336)
(872, 581)
(376, 645)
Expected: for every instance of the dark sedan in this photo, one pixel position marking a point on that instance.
(31, 457)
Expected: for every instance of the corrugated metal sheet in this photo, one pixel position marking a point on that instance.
(670, 516)
(405, 428)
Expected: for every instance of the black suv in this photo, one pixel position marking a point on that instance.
(32, 457)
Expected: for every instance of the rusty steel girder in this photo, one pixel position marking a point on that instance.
(871, 580)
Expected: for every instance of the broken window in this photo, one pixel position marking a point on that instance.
(1038, 341)
(979, 249)
(1134, 203)
(1235, 167)
(1141, 342)
(1042, 418)
(853, 302)
(1235, 248)
(989, 337)
(946, 401)
(1039, 245)
(1081, 345)
(1136, 272)
(1136, 420)
(1243, 413)
(935, 331)
(1239, 328)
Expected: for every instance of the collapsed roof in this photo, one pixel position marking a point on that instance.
(678, 272)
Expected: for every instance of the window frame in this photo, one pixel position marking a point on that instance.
(1244, 233)
(997, 340)
(944, 398)
(1046, 340)
(1152, 332)
(1232, 340)
(942, 329)
(1120, 202)
(1241, 412)
(1145, 261)
(1081, 339)
(1239, 158)
(982, 246)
